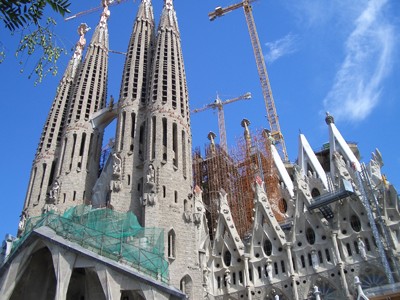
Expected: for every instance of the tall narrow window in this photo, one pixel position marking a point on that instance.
(52, 169)
(348, 247)
(133, 120)
(303, 262)
(267, 247)
(122, 132)
(153, 138)
(227, 258)
(176, 196)
(72, 152)
(164, 139)
(141, 140)
(171, 244)
(355, 223)
(82, 150)
(321, 259)
(175, 144)
(89, 151)
(184, 153)
(31, 184)
(310, 235)
(327, 254)
(62, 156)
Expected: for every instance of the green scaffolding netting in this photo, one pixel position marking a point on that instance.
(108, 233)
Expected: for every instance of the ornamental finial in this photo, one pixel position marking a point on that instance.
(106, 12)
(329, 119)
(168, 4)
(82, 29)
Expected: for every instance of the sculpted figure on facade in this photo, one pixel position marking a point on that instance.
(361, 248)
(116, 175)
(149, 195)
(375, 166)
(50, 205)
(314, 260)
(22, 222)
(227, 278)
(199, 210)
(268, 269)
(54, 191)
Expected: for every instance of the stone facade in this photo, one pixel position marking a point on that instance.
(341, 218)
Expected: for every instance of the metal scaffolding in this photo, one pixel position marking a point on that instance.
(235, 172)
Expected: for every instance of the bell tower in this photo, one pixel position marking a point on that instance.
(129, 146)
(167, 197)
(78, 166)
(42, 178)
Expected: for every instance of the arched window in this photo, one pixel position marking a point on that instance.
(355, 223)
(227, 258)
(283, 205)
(267, 247)
(186, 286)
(310, 235)
(315, 193)
(171, 244)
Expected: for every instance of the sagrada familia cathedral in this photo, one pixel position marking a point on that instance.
(149, 219)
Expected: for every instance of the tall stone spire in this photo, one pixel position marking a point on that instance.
(130, 135)
(42, 174)
(78, 167)
(167, 197)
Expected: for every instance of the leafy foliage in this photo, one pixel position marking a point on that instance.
(17, 14)
(26, 15)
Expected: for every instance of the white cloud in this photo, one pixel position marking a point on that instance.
(368, 54)
(281, 47)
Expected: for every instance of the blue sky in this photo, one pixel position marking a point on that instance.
(321, 56)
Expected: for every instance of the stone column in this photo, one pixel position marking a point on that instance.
(63, 262)
(247, 276)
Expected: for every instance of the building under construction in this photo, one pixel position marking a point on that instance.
(146, 219)
(235, 173)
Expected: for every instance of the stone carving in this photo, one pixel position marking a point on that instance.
(268, 269)
(82, 29)
(116, 184)
(361, 248)
(106, 13)
(50, 206)
(116, 165)
(54, 191)
(199, 209)
(149, 195)
(375, 166)
(22, 222)
(314, 260)
(223, 202)
(227, 278)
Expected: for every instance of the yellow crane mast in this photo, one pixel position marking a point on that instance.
(218, 104)
(262, 71)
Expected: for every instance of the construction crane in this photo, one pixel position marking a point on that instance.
(218, 104)
(89, 11)
(262, 71)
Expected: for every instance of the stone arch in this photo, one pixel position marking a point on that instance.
(327, 289)
(315, 192)
(270, 293)
(38, 280)
(370, 276)
(186, 286)
(85, 284)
